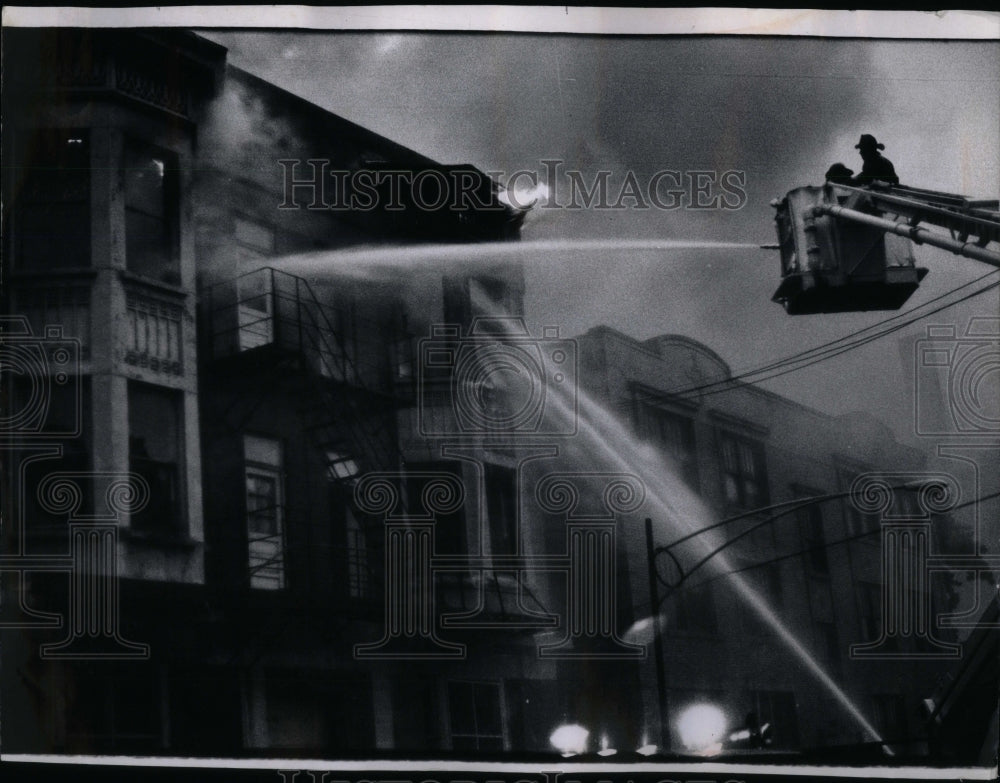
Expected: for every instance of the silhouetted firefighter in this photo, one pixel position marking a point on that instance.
(876, 167)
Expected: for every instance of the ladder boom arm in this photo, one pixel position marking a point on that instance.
(915, 233)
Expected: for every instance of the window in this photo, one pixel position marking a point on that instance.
(340, 466)
(255, 295)
(501, 508)
(777, 708)
(674, 434)
(743, 472)
(256, 237)
(694, 609)
(264, 508)
(154, 415)
(357, 558)
(826, 634)
(449, 530)
(857, 522)
(66, 306)
(67, 413)
(114, 711)
(870, 605)
(319, 711)
(474, 712)
(52, 224)
(810, 520)
(152, 201)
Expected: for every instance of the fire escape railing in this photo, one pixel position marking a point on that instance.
(358, 370)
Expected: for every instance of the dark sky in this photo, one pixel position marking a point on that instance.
(779, 110)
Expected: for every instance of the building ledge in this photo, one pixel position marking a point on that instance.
(151, 285)
(172, 540)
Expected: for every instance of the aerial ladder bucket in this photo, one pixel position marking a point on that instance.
(846, 248)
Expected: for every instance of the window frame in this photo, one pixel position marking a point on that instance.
(356, 555)
(475, 734)
(20, 201)
(171, 216)
(179, 525)
(275, 472)
(757, 451)
(684, 452)
(857, 523)
(811, 523)
(501, 509)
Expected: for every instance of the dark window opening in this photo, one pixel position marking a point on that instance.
(330, 713)
(744, 473)
(449, 531)
(51, 193)
(114, 711)
(155, 454)
(68, 412)
(674, 435)
(810, 519)
(501, 508)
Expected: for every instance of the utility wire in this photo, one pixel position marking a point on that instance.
(867, 340)
(825, 545)
(840, 345)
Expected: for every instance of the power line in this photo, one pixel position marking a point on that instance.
(834, 347)
(831, 349)
(826, 545)
(872, 338)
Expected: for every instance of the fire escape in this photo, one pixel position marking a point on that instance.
(269, 335)
(350, 375)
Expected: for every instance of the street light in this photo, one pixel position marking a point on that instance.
(702, 728)
(570, 739)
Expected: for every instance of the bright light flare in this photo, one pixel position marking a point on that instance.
(570, 739)
(702, 728)
(524, 196)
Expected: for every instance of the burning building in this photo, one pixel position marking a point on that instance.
(264, 503)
